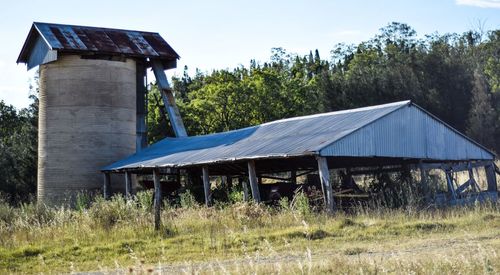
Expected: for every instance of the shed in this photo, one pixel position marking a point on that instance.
(390, 134)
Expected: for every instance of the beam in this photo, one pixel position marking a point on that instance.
(157, 198)
(252, 177)
(457, 167)
(168, 99)
(128, 185)
(324, 175)
(106, 188)
(206, 186)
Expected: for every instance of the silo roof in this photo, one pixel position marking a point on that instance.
(399, 130)
(94, 40)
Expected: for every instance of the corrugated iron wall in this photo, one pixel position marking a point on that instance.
(408, 132)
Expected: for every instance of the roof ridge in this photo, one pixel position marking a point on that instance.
(93, 27)
(345, 111)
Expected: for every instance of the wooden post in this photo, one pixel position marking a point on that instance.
(157, 198)
(106, 190)
(293, 176)
(252, 177)
(423, 182)
(449, 181)
(168, 99)
(128, 185)
(324, 175)
(245, 188)
(206, 185)
(491, 177)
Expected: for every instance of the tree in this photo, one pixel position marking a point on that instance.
(481, 121)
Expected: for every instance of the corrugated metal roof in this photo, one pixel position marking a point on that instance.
(82, 39)
(301, 136)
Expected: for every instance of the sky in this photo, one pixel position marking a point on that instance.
(224, 34)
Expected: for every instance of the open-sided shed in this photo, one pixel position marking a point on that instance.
(399, 133)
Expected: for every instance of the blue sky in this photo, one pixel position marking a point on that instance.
(223, 34)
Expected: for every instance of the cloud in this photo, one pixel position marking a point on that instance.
(480, 3)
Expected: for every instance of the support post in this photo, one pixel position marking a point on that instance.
(324, 175)
(449, 181)
(157, 198)
(206, 185)
(106, 190)
(168, 99)
(293, 176)
(423, 182)
(473, 182)
(491, 177)
(252, 177)
(245, 188)
(128, 185)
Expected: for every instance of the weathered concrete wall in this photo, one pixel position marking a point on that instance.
(87, 119)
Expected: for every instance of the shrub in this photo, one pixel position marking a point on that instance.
(300, 203)
(235, 195)
(108, 213)
(187, 200)
(33, 214)
(144, 200)
(284, 204)
(83, 201)
(7, 213)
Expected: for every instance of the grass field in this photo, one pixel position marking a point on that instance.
(245, 238)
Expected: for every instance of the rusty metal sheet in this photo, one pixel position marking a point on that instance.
(69, 38)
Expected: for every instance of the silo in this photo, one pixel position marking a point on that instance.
(92, 101)
(87, 119)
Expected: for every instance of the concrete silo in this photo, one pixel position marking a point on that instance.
(92, 101)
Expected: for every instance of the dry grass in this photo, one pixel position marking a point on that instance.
(246, 238)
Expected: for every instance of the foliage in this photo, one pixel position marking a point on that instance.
(187, 200)
(18, 151)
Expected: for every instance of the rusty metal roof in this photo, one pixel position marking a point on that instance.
(93, 40)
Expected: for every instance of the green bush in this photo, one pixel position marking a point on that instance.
(284, 204)
(187, 200)
(300, 203)
(83, 201)
(107, 213)
(235, 195)
(7, 213)
(144, 200)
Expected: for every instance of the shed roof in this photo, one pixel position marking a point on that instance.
(93, 40)
(400, 129)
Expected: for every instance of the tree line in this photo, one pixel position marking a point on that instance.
(454, 76)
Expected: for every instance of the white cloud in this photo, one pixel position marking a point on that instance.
(480, 3)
